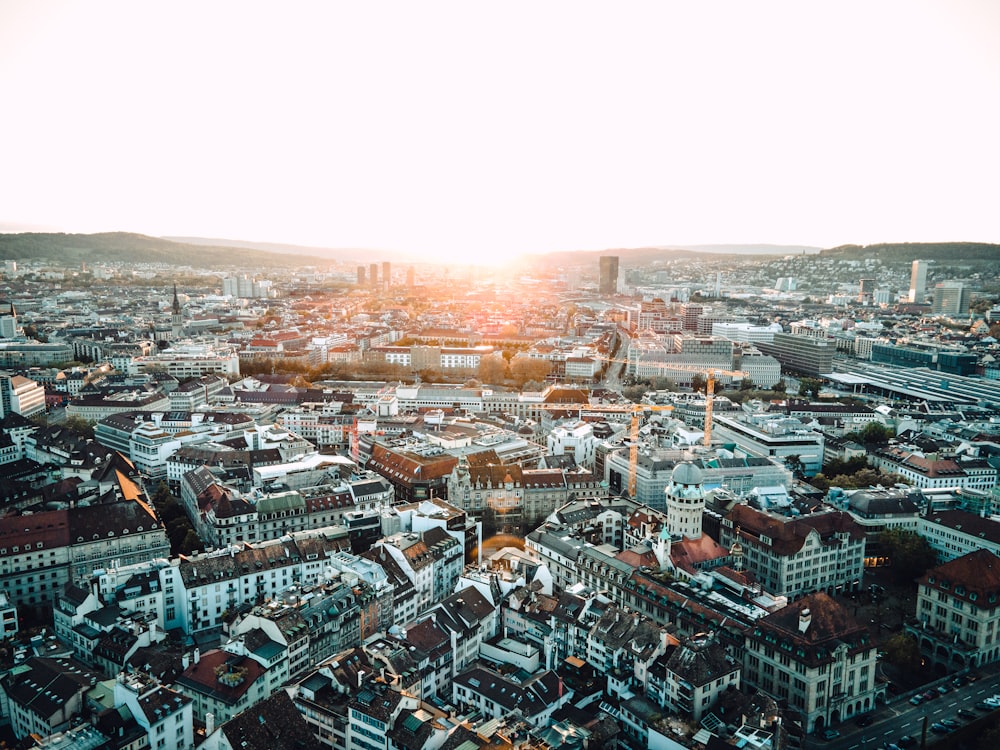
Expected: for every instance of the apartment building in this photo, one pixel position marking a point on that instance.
(814, 655)
(792, 556)
(957, 623)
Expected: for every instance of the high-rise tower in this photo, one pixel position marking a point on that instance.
(609, 274)
(918, 281)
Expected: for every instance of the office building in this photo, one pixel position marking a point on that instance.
(386, 274)
(866, 291)
(951, 298)
(8, 320)
(609, 274)
(918, 281)
(373, 273)
(799, 353)
(361, 275)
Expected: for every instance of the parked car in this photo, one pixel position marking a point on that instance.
(972, 677)
(950, 723)
(931, 695)
(993, 702)
(966, 713)
(864, 720)
(916, 700)
(983, 706)
(830, 734)
(958, 681)
(906, 741)
(939, 728)
(943, 689)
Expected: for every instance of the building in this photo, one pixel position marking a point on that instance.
(773, 436)
(815, 656)
(696, 674)
(8, 320)
(791, 556)
(42, 695)
(951, 298)
(957, 622)
(20, 395)
(918, 281)
(165, 714)
(803, 354)
(608, 283)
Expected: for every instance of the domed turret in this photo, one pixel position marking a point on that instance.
(685, 500)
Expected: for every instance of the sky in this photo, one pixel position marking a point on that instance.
(483, 130)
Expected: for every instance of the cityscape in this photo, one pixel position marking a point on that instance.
(635, 499)
(499, 376)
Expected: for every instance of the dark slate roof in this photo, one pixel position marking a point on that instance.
(272, 724)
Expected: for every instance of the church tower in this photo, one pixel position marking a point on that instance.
(176, 318)
(685, 501)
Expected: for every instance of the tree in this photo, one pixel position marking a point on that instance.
(779, 387)
(909, 553)
(810, 386)
(902, 651)
(492, 369)
(746, 384)
(795, 465)
(523, 369)
(699, 383)
(190, 543)
(80, 426)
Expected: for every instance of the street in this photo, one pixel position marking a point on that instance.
(901, 717)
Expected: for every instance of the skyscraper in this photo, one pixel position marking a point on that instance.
(918, 281)
(951, 298)
(866, 290)
(373, 273)
(609, 274)
(361, 275)
(410, 277)
(386, 274)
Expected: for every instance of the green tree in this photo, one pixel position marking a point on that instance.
(779, 387)
(746, 384)
(810, 387)
(795, 465)
(910, 553)
(698, 383)
(190, 543)
(902, 651)
(80, 426)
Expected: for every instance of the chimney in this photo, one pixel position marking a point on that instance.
(361, 677)
(197, 654)
(209, 723)
(805, 617)
(185, 661)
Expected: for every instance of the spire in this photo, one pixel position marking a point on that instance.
(177, 302)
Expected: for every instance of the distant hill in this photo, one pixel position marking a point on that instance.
(358, 254)
(125, 247)
(755, 249)
(906, 252)
(649, 255)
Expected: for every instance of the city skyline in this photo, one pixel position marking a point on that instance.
(444, 132)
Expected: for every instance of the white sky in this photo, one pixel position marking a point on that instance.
(474, 130)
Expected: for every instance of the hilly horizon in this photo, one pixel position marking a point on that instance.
(203, 252)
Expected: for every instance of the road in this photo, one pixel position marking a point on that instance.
(901, 717)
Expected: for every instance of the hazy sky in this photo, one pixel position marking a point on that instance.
(476, 130)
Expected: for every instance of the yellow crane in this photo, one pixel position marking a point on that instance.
(711, 374)
(634, 410)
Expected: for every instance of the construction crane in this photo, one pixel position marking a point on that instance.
(711, 375)
(636, 412)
